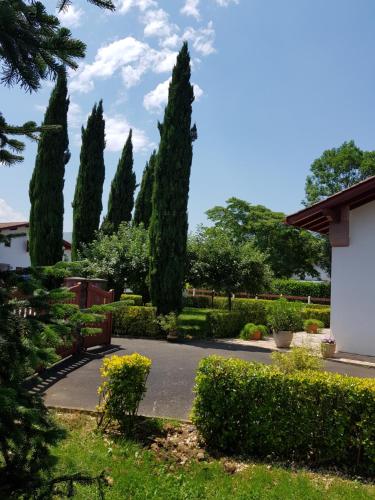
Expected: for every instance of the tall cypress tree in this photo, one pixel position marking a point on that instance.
(121, 196)
(143, 204)
(87, 203)
(47, 182)
(169, 220)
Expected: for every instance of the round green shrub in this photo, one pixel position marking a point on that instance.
(250, 330)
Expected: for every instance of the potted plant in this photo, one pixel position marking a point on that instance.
(168, 325)
(313, 326)
(253, 332)
(284, 319)
(328, 347)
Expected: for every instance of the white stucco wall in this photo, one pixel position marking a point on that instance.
(16, 254)
(353, 285)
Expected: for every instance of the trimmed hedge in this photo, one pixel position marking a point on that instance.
(198, 302)
(301, 288)
(221, 324)
(317, 418)
(322, 314)
(255, 310)
(135, 321)
(138, 299)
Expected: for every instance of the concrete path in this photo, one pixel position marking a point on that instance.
(73, 383)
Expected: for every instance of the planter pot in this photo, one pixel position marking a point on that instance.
(172, 336)
(283, 339)
(256, 336)
(327, 350)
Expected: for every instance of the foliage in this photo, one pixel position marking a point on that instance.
(123, 389)
(87, 203)
(198, 301)
(284, 316)
(317, 418)
(47, 182)
(338, 169)
(121, 196)
(322, 314)
(289, 251)
(300, 288)
(222, 324)
(168, 323)
(250, 330)
(137, 299)
(135, 321)
(169, 221)
(313, 325)
(297, 359)
(215, 262)
(192, 322)
(143, 204)
(122, 258)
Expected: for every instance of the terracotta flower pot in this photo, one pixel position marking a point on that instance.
(256, 335)
(172, 336)
(327, 350)
(283, 339)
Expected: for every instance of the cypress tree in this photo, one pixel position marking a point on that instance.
(121, 196)
(169, 220)
(143, 204)
(87, 203)
(47, 182)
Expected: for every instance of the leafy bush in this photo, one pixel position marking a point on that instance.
(313, 325)
(297, 359)
(135, 321)
(254, 310)
(137, 299)
(323, 314)
(199, 302)
(284, 316)
(222, 324)
(123, 389)
(250, 330)
(317, 417)
(301, 288)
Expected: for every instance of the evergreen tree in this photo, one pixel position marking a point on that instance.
(143, 204)
(121, 196)
(87, 203)
(169, 220)
(47, 182)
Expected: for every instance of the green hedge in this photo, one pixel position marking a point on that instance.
(301, 288)
(199, 302)
(322, 314)
(315, 418)
(138, 299)
(135, 321)
(221, 324)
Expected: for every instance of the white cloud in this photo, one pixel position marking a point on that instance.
(155, 100)
(116, 131)
(157, 24)
(71, 16)
(8, 214)
(202, 39)
(75, 117)
(191, 9)
(225, 3)
(129, 55)
(123, 6)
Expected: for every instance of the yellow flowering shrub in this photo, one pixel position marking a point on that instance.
(123, 388)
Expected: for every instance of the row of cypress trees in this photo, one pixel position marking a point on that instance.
(162, 200)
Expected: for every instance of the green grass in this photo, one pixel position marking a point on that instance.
(137, 474)
(192, 321)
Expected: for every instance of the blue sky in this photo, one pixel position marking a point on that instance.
(277, 84)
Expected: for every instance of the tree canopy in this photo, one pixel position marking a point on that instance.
(337, 169)
(143, 204)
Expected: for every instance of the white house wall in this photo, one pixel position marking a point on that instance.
(353, 285)
(16, 254)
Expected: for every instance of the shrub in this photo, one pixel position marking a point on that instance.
(138, 299)
(254, 310)
(297, 359)
(250, 330)
(202, 302)
(322, 314)
(123, 389)
(301, 288)
(135, 321)
(222, 324)
(313, 325)
(284, 316)
(317, 417)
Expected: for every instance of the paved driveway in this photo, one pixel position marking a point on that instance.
(73, 383)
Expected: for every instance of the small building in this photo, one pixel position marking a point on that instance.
(14, 252)
(348, 218)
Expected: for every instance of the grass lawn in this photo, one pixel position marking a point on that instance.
(192, 321)
(137, 473)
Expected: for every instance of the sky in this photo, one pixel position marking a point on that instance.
(276, 83)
